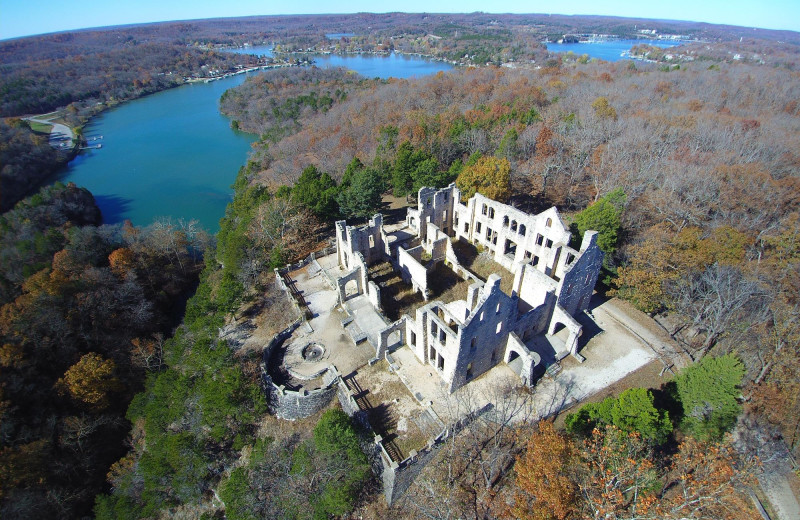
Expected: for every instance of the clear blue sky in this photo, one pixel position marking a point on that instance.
(26, 17)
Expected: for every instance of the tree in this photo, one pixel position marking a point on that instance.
(490, 176)
(632, 411)
(90, 380)
(603, 109)
(707, 480)
(508, 145)
(317, 191)
(716, 298)
(336, 439)
(603, 216)
(708, 393)
(363, 197)
(121, 261)
(414, 169)
(617, 477)
(545, 486)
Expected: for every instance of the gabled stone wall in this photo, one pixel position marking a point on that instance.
(579, 278)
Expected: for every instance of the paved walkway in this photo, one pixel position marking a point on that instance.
(325, 328)
(642, 326)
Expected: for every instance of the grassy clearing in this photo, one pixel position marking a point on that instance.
(41, 128)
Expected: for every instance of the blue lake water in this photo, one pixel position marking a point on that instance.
(610, 50)
(173, 153)
(369, 65)
(391, 66)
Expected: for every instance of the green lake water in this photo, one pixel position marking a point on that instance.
(169, 154)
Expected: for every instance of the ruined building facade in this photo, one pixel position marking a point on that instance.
(529, 329)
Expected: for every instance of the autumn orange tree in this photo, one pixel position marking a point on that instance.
(617, 477)
(90, 380)
(545, 486)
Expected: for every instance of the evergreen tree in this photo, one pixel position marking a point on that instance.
(708, 392)
(363, 197)
(317, 191)
(604, 216)
(632, 411)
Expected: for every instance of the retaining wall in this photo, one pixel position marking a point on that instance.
(290, 404)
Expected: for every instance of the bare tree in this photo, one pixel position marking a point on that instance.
(716, 299)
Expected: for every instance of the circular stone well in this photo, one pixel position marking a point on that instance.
(306, 361)
(313, 352)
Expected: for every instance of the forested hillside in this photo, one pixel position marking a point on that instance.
(691, 177)
(84, 310)
(42, 73)
(26, 159)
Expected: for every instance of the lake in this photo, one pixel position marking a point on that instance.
(609, 50)
(173, 153)
(369, 65)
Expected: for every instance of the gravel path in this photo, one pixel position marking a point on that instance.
(61, 136)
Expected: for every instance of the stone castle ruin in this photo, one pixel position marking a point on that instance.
(481, 284)
(463, 339)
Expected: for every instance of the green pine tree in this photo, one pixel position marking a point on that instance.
(708, 392)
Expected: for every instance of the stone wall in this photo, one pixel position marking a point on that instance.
(436, 207)
(368, 240)
(398, 477)
(307, 260)
(289, 404)
(578, 281)
(411, 270)
(483, 336)
(512, 236)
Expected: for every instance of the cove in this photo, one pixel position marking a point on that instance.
(172, 154)
(608, 50)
